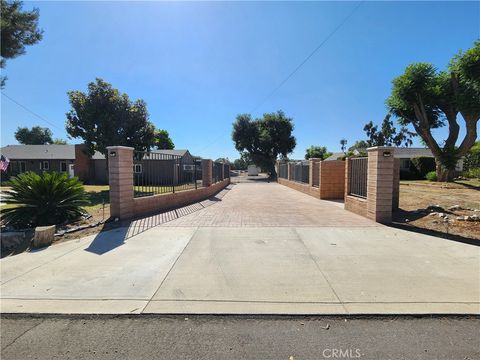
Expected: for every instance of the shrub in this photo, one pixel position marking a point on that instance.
(422, 165)
(472, 173)
(46, 199)
(431, 176)
(472, 159)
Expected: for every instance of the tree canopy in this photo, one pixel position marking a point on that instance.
(243, 162)
(264, 139)
(34, 136)
(105, 117)
(18, 29)
(358, 145)
(162, 140)
(387, 135)
(427, 98)
(319, 152)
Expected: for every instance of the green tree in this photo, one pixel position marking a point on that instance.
(18, 29)
(265, 139)
(243, 162)
(358, 145)
(162, 140)
(34, 136)
(428, 99)
(58, 141)
(105, 117)
(223, 160)
(387, 135)
(319, 152)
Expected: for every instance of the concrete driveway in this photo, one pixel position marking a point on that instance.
(254, 248)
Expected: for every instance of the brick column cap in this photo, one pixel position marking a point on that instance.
(373, 148)
(119, 147)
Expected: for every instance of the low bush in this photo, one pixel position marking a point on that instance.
(431, 176)
(472, 173)
(46, 199)
(472, 159)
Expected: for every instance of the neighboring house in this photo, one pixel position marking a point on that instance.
(74, 160)
(405, 154)
(71, 159)
(166, 167)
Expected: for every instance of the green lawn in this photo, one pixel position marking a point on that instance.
(97, 195)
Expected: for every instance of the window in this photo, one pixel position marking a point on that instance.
(22, 166)
(46, 165)
(405, 164)
(13, 167)
(137, 168)
(63, 166)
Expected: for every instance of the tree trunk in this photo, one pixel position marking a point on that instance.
(445, 174)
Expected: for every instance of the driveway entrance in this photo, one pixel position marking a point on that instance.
(258, 203)
(255, 247)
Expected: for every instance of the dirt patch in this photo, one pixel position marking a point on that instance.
(417, 196)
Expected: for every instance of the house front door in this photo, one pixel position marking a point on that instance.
(71, 172)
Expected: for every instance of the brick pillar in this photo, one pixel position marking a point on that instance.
(348, 169)
(396, 185)
(380, 183)
(206, 172)
(290, 170)
(311, 170)
(120, 176)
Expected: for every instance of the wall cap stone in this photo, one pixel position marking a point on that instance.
(119, 147)
(373, 148)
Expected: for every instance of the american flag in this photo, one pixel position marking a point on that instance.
(4, 163)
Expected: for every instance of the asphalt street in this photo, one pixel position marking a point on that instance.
(238, 337)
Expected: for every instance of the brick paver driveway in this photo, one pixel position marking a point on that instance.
(254, 248)
(258, 203)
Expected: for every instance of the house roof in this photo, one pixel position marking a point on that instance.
(27, 152)
(402, 152)
(335, 156)
(179, 152)
(43, 152)
(60, 152)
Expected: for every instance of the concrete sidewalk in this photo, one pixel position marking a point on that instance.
(315, 269)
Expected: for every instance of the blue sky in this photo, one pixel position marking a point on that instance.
(198, 65)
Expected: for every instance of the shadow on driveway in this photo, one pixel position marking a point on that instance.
(110, 239)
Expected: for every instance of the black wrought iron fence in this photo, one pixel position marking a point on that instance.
(217, 171)
(301, 171)
(358, 177)
(283, 170)
(226, 171)
(156, 173)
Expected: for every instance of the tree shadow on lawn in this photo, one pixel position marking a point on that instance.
(399, 222)
(98, 197)
(469, 186)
